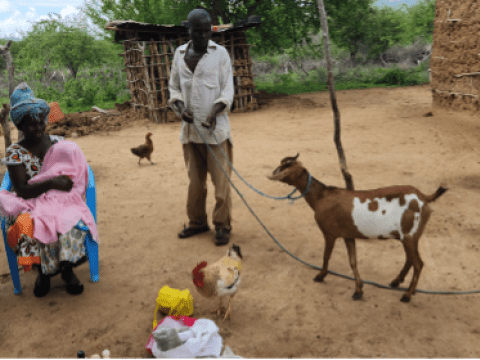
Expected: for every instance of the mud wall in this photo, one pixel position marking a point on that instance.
(455, 61)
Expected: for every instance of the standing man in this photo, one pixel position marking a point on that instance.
(201, 93)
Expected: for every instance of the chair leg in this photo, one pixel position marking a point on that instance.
(12, 263)
(92, 254)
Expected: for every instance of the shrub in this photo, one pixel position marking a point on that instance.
(393, 76)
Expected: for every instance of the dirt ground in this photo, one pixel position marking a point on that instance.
(278, 311)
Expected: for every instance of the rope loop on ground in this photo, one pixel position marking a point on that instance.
(382, 286)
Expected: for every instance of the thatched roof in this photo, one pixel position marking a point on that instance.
(127, 29)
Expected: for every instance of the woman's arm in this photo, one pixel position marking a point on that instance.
(18, 176)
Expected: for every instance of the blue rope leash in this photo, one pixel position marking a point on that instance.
(382, 286)
(288, 197)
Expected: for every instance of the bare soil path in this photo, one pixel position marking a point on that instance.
(279, 311)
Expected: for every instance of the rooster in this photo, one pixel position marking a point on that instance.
(144, 150)
(221, 278)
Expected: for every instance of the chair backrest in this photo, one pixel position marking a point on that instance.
(90, 192)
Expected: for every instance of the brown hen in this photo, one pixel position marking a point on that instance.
(144, 150)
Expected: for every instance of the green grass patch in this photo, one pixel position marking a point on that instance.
(350, 79)
(308, 88)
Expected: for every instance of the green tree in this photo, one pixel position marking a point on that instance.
(61, 45)
(148, 11)
(348, 23)
(359, 25)
(419, 20)
(284, 22)
(385, 29)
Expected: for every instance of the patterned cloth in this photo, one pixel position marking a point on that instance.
(70, 247)
(23, 102)
(211, 83)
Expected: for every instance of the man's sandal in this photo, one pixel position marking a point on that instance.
(189, 231)
(222, 237)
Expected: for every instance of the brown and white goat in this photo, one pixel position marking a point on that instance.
(396, 212)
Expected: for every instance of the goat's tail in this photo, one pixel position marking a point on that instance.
(440, 191)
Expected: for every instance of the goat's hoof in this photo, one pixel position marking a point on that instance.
(357, 296)
(318, 278)
(405, 299)
(394, 284)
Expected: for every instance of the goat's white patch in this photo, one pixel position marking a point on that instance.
(374, 224)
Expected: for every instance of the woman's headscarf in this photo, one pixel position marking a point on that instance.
(23, 102)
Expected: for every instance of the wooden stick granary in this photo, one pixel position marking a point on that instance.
(148, 55)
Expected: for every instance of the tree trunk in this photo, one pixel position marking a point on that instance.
(215, 12)
(4, 111)
(225, 17)
(333, 99)
(251, 10)
(383, 61)
(46, 69)
(5, 51)
(353, 56)
(73, 70)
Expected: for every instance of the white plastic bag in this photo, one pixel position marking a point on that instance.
(200, 340)
(228, 354)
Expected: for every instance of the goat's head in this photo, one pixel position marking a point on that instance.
(288, 170)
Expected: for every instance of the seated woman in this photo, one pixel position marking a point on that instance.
(49, 176)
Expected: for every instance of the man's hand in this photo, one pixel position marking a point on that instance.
(187, 115)
(210, 122)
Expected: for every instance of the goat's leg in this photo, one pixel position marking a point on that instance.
(329, 242)
(352, 256)
(401, 276)
(411, 247)
(411, 244)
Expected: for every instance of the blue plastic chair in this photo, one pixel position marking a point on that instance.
(90, 245)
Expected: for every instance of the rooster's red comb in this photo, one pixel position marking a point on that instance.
(199, 267)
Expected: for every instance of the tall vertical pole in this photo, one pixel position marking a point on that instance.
(5, 51)
(341, 155)
(349, 242)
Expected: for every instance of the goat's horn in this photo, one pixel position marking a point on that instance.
(295, 158)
